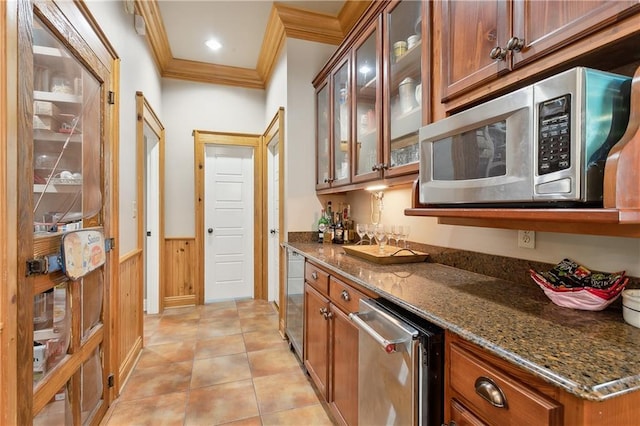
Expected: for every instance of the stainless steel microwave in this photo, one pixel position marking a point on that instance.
(544, 143)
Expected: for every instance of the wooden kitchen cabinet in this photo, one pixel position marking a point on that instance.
(378, 109)
(484, 40)
(344, 376)
(64, 82)
(529, 399)
(316, 338)
(493, 395)
(331, 340)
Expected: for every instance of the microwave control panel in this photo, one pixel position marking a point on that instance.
(554, 135)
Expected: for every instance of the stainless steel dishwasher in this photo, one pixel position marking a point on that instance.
(400, 369)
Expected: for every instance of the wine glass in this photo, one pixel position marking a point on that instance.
(381, 236)
(371, 230)
(396, 231)
(405, 234)
(361, 230)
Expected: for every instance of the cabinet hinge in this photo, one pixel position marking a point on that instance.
(110, 381)
(44, 265)
(111, 98)
(109, 244)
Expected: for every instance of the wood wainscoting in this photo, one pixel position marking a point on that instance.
(180, 272)
(129, 315)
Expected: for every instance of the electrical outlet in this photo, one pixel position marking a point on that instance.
(527, 239)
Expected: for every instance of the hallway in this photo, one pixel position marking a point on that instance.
(221, 363)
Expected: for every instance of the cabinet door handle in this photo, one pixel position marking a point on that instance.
(323, 312)
(498, 53)
(345, 295)
(490, 391)
(314, 275)
(516, 44)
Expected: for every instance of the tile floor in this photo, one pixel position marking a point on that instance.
(221, 363)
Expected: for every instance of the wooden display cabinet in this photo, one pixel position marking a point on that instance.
(407, 84)
(377, 94)
(64, 100)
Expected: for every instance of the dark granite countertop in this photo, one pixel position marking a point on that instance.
(593, 355)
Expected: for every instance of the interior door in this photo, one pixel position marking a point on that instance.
(273, 220)
(152, 221)
(228, 220)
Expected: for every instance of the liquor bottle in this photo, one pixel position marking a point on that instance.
(323, 222)
(338, 233)
(347, 224)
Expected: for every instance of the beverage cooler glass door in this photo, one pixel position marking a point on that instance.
(295, 301)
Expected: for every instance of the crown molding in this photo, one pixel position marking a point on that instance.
(284, 21)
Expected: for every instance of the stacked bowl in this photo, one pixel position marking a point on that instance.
(572, 285)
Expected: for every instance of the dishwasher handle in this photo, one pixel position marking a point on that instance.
(389, 346)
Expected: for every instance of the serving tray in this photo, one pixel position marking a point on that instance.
(390, 255)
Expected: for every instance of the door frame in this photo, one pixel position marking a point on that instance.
(201, 139)
(146, 115)
(275, 126)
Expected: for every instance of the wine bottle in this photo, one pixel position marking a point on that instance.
(338, 233)
(323, 222)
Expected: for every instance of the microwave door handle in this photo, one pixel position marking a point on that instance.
(389, 346)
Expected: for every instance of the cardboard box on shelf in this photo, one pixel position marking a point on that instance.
(45, 123)
(45, 108)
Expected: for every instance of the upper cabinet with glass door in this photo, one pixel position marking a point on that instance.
(66, 138)
(404, 93)
(341, 125)
(375, 80)
(323, 145)
(366, 150)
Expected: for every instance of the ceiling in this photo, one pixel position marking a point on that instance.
(251, 32)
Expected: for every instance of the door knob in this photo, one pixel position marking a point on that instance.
(210, 230)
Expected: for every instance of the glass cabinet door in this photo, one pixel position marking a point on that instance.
(66, 137)
(341, 125)
(404, 47)
(323, 164)
(366, 149)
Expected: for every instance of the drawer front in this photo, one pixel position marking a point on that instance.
(344, 296)
(317, 278)
(471, 378)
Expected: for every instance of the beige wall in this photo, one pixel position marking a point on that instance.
(598, 253)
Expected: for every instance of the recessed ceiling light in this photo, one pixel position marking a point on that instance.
(213, 44)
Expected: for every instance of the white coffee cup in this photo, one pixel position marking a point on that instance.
(66, 174)
(412, 40)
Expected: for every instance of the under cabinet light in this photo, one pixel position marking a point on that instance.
(213, 44)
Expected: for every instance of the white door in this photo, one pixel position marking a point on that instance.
(152, 222)
(274, 216)
(228, 221)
